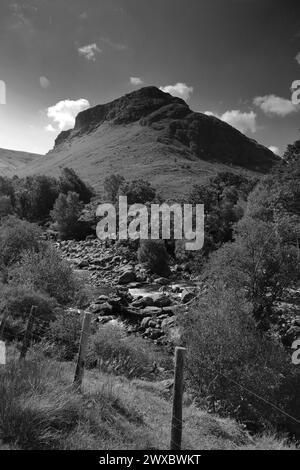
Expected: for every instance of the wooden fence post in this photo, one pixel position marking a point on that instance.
(176, 429)
(2, 324)
(28, 333)
(82, 350)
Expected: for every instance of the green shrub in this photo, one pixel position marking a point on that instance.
(154, 255)
(137, 191)
(112, 184)
(16, 302)
(66, 212)
(259, 262)
(64, 335)
(69, 181)
(16, 236)
(47, 272)
(114, 351)
(228, 358)
(35, 196)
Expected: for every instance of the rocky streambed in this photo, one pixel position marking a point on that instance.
(122, 289)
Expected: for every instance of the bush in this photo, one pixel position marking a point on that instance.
(17, 302)
(16, 236)
(35, 196)
(112, 184)
(258, 262)
(47, 272)
(69, 181)
(228, 357)
(113, 351)
(66, 212)
(137, 191)
(154, 255)
(64, 335)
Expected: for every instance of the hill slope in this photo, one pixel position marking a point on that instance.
(11, 161)
(153, 135)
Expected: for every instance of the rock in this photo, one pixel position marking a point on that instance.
(145, 322)
(153, 333)
(168, 311)
(186, 296)
(104, 308)
(162, 281)
(101, 299)
(127, 277)
(104, 319)
(83, 264)
(151, 311)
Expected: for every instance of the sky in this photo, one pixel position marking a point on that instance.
(236, 59)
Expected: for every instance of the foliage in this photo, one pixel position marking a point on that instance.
(257, 262)
(17, 301)
(16, 236)
(228, 358)
(137, 191)
(113, 351)
(66, 212)
(64, 335)
(47, 272)
(224, 197)
(154, 255)
(69, 181)
(35, 196)
(112, 184)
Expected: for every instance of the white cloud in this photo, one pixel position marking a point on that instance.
(50, 128)
(244, 122)
(274, 105)
(298, 58)
(64, 112)
(89, 51)
(136, 81)
(44, 82)
(274, 150)
(181, 90)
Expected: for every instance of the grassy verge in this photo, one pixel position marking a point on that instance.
(40, 410)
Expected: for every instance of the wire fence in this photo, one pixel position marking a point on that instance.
(37, 329)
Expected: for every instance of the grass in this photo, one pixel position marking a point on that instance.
(39, 409)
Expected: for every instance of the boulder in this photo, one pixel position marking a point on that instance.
(103, 309)
(145, 322)
(161, 281)
(187, 296)
(151, 311)
(127, 277)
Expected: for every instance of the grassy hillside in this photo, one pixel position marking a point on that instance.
(132, 151)
(40, 410)
(11, 161)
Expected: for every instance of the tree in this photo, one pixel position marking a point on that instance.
(112, 184)
(292, 152)
(259, 262)
(35, 196)
(154, 255)
(69, 181)
(66, 213)
(137, 191)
